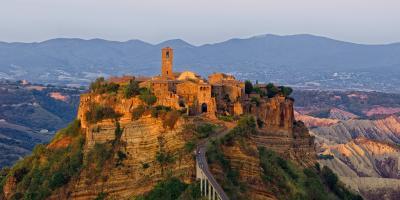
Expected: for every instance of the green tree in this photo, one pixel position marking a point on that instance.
(248, 87)
(132, 89)
(169, 189)
(272, 90)
(286, 91)
(147, 96)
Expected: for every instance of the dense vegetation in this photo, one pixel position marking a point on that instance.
(47, 169)
(271, 90)
(100, 86)
(290, 182)
(132, 89)
(147, 96)
(173, 189)
(230, 182)
(282, 177)
(99, 112)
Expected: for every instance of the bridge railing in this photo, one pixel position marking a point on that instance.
(209, 187)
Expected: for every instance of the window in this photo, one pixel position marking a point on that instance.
(167, 54)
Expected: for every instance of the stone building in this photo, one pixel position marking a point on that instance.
(220, 94)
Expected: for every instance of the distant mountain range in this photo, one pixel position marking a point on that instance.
(298, 60)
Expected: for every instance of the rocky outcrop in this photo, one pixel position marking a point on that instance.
(339, 114)
(276, 113)
(363, 157)
(140, 171)
(370, 167)
(387, 129)
(311, 121)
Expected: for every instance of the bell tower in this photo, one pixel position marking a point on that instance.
(167, 59)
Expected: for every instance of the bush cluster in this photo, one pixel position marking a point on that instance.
(138, 112)
(147, 96)
(100, 86)
(272, 90)
(98, 112)
(173, 189)
(159, 111)
(227, 118)
(98, 155)
(170, 118)
(289, 182)
(204, 130)
(132, 89)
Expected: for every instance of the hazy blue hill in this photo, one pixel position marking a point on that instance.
(82, 60)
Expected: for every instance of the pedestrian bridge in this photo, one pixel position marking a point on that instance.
(208, 185)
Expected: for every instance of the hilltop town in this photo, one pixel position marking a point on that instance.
(135, 134)
(219, 95)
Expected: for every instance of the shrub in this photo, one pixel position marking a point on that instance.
(227, 118)
(138, 112)
(259, 91)
(286, 91)
(204, 130)
(101, 196)
(145, 165)
(325, 157)
(121, 156)
(132, 89)
(192, 192)
(98, 112)
(98, 155)
(147, 96)
(332, 181)
(255, 100)
(170, 118)
(73, 129)
(189, 146)
(118, 131)
(248, 87)
(96, 84)
(272, 90)
(169, 189)
(159, 110)
(100, 86)
(164, 158)
(330, 178)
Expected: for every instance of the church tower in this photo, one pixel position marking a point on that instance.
(167, 59)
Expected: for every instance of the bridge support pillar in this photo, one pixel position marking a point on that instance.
(213, 195)
(209, 191)
(201, 186)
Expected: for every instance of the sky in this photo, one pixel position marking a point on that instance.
(199, 22)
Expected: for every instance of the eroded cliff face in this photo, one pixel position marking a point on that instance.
(387, 129)
(141, 141)
(368, 166)
(364, 158)
(247, 164)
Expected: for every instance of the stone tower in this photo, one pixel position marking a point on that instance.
(167, 59)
